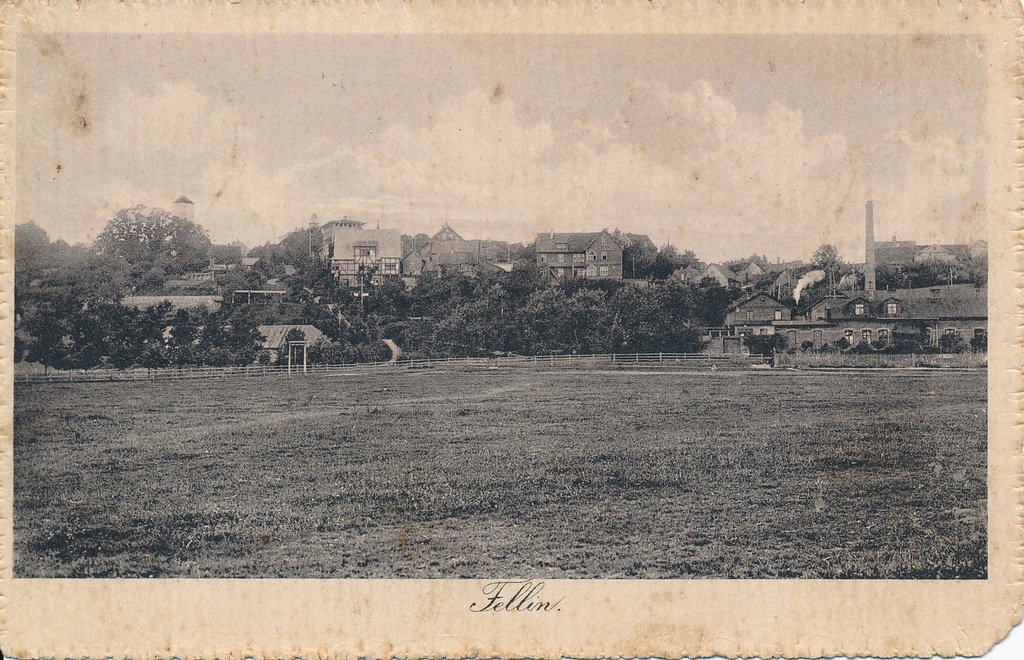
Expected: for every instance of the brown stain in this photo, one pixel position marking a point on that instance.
(50, 47)
(73, 104)
(499, 91)
(80, 123)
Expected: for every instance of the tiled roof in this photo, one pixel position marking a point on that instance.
(951, 301)
(742, 302)
(574, 241)
(955, 301)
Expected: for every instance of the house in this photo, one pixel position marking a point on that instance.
(721, 274)
(689, 275)
(755, 314)
(447, 251)
(358, 256)
(937, 254)
(413, 263)
(641, 241)
(748, 270)
(925, 314)
(895, 253)
(588, 255)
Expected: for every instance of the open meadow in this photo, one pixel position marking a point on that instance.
(459, 473)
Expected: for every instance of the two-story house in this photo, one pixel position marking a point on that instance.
(588, 255)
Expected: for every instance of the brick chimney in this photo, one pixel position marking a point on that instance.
(869, 249)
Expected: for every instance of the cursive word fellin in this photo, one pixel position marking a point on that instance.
(515, 596)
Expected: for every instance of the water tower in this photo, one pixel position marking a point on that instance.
(184, 208)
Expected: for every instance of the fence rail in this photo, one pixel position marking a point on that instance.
(606, 361)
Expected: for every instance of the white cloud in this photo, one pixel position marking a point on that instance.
(681, 165)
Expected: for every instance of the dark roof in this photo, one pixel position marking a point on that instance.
(183, 200)
(740, 303)
(446, 233)
(575, 241)
(643, 240)
(951, 301)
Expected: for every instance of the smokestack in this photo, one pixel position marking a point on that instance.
(869, 249)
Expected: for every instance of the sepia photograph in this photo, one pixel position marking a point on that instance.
(523, 306)
(342, 330)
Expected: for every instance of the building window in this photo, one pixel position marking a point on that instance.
(604, 270)
(592, 271)
(543, 258)
(858, 309)
(890, 309)
(865, 335)
(591, 255)
(979, 333)
(604, 256)
(762, 331)
(778, 315)
(577, 258)
(561, 246)
(951, 332)
(848, 335)
(750, 316)
(561, 258)
(883, 335)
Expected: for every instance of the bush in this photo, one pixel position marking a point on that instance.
(952, 343)
(765, 345)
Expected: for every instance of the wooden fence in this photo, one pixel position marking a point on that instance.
(604, 361)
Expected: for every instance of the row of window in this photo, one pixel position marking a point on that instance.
(866, 335)
(882, 334)
(577, 257)
(388, 266)
(891, 309)
(592, 271)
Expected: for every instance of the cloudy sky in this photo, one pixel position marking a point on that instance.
(723, 145)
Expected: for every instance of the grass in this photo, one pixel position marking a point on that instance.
(455, 474)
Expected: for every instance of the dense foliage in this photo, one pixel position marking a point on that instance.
(69, 313)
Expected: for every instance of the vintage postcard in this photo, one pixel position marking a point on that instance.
(337, 330)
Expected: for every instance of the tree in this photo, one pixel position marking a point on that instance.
(826, 258)
(148, 238)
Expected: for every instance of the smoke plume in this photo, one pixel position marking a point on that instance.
(807, 280)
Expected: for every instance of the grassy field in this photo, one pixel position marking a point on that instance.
(453, 474)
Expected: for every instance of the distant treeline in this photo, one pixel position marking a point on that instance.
(69, 316)
(448, 315)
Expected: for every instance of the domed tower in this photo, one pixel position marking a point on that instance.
(183, 208)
